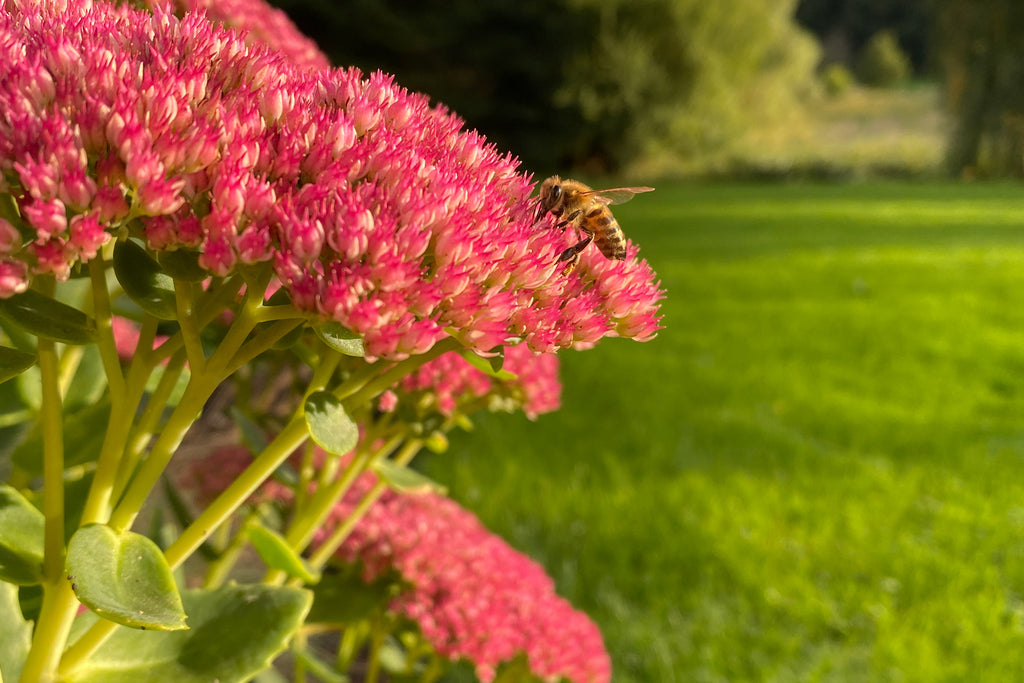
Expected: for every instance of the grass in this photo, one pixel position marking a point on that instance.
(816, 471)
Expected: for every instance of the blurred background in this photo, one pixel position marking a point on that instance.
(683, 87)
(816, 471)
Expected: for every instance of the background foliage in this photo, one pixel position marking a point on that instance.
(678, 85)
(579, 82)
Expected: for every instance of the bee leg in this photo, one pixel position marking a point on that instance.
(572, 255)
(573, 252)
(563, 223)
(571, 218)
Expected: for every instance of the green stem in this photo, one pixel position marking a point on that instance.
(178, 424)
(322, 373)
(212, 303)
(352, 637)
(188, 326)
(373, 656)
(433, 670)
(327, 549)
(105, 339)
(299, 647)
(83, 648)
(389, 377)
(261, 342)
(69, 362)
(146, 425)
(306, 471)
(277, 451)
(144, 352)
(198, 391)
(280, 312)
(326, 497)
(112, 452)
(357, 380)
(58, 608)
(218, 570)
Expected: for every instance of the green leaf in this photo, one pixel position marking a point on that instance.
(18, 338)
(144, 281)
(235, 632)
(253, 435)
(15, 634)
(182, 264)
(84, 430)
(277, 554)
(21, 539)
(89, 382)
(340, 338)
(342, 597)
(123, 577)
(14, 362)
(45, 317)
(77, 483)
(329, 425)
(405, 480)
(30, 388)
(489, 366)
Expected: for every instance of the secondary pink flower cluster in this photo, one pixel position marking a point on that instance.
(450, 382)
(472, 595)
(261, 23)
(372, 207)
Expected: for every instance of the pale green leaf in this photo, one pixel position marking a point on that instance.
(21, 539)
(329, 425)
(235, 633)
(123, 577)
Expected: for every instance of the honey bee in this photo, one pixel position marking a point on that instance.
(576, 204)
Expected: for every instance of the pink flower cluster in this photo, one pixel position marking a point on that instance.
(449, 382)
(472, 595)
(372, 207)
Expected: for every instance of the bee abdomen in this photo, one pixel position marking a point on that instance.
(609, 238)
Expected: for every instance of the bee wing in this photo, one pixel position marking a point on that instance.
(617, 195)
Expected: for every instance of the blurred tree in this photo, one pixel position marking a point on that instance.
(686, 77)
(496, 63)
(594, 83)
(882, 63)
(845, 27)
(983, 63)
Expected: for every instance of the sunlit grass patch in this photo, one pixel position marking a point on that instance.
(816, 471)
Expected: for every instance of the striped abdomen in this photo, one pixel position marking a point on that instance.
(608, 235)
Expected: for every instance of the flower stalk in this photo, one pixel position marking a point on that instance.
(59, 603)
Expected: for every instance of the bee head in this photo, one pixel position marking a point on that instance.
(550, 192)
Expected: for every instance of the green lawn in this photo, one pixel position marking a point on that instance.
(817, 469)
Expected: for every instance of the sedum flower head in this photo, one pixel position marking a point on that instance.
(450, 383)
(472, 595)
(373, 208)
